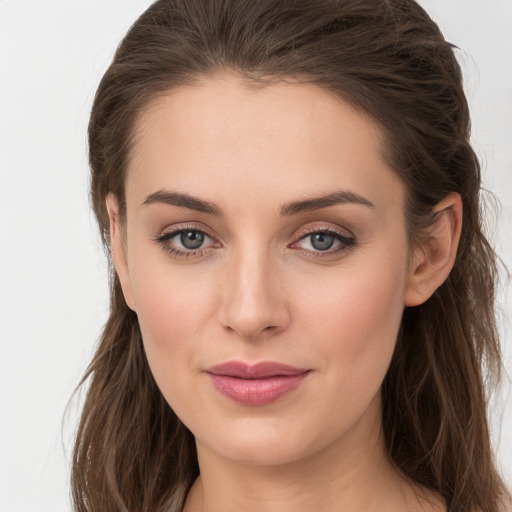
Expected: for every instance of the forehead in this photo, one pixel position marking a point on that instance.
(219, 136)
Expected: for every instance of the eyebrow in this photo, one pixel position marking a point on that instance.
(288, 209)
(324, 201)
(182, 200)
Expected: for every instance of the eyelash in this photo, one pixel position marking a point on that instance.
(347, 242)
(178, 253)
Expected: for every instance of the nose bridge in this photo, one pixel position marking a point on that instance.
(253, 302)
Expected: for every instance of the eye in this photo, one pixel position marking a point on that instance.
(186, 242)
(325, 241)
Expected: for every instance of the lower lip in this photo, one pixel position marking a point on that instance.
(257, 391)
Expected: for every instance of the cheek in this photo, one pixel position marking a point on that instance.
(173, 305)
(356, 316)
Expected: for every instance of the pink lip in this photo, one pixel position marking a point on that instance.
(257, 384)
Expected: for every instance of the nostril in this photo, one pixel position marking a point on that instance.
(253, 332)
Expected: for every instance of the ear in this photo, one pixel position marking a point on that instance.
(118, 248)
(433, 258)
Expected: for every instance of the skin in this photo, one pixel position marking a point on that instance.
(259, 290)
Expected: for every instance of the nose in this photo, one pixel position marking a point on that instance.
(254, 302)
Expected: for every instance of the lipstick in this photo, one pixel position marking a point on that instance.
(258, 384)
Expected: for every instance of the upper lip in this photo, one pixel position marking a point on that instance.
(254, 371)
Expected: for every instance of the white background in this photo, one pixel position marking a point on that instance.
(53, 285)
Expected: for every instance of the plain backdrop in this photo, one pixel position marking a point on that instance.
(53, 282)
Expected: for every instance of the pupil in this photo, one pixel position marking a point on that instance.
(192, 239)
(322, 241)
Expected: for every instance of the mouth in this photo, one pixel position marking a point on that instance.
(258, 384)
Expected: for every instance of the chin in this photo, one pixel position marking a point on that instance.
(260, 454)
(263, 444)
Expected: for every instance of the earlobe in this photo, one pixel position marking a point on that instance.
(118, 248)
(433, 258)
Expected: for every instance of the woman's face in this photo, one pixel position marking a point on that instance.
(263, 226)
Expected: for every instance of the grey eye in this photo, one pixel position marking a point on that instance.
(322, 241)
(192, 239)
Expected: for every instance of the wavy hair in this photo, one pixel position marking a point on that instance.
(389, 59)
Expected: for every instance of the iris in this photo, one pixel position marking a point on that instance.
(192, 239)
(322, 241)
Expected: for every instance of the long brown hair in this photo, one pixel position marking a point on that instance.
(388, 58)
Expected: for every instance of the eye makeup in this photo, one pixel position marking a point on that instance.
(323, 241)
(190, 241)
(187, 241)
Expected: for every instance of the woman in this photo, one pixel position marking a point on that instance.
(302, 296)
